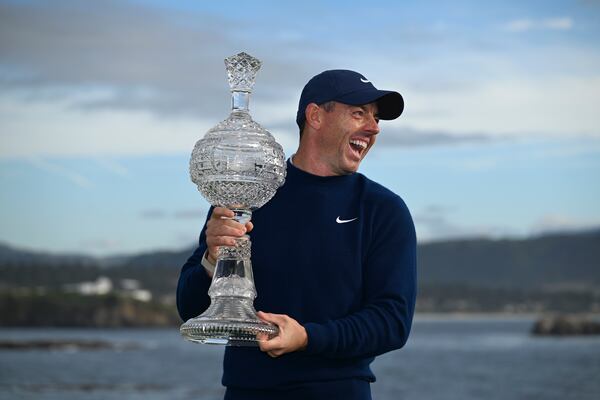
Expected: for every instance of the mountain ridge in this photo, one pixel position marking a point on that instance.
(539, 262)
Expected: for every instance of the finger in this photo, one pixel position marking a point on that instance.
(263, 346)
(216, 223)
(219, 212)
(277, 319)
(270, 345)
(262, 337)
(226, 230)
(271, 317)
(223, 221)
(216, 241)
(249, 226)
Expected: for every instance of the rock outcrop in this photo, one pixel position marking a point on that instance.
(562, 325)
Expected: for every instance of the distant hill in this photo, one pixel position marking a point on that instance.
(539, 262)
(12, 255)
(558, 260)
(549, 262)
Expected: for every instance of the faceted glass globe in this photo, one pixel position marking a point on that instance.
(238, 164)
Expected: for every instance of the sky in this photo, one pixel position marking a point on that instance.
(102, 102)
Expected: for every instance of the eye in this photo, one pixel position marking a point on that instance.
(358, 113)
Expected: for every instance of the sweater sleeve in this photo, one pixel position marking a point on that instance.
(384, 321)
(194, 282)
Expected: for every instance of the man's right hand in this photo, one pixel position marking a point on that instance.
(222, 230)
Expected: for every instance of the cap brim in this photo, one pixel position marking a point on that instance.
(390, 104)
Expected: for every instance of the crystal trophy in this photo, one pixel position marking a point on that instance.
(237, 165)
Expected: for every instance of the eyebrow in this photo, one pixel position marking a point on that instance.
(365, 109)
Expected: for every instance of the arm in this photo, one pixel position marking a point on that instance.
(193, 284)
(194, 279)
(384, 321)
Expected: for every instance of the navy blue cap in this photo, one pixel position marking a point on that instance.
(348, 87)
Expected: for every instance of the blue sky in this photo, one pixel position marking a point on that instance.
(102, 102)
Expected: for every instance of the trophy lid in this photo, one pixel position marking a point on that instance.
(241, 71)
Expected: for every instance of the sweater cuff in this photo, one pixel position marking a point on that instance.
(317, 337)
(208, 266)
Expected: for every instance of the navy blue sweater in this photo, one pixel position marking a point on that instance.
(352, 285)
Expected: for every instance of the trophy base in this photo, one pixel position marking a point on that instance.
(244, 329)
(228, 333)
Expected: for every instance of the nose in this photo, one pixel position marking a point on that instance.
(372, 125)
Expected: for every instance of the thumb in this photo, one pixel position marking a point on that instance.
(270, 344)
(277, 319)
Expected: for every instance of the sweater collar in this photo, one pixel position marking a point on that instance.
(295, 172)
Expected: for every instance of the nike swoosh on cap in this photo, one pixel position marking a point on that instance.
(365, 80)
(343, 221)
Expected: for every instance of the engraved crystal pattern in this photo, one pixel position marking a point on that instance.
(237, 165)
(241, 71)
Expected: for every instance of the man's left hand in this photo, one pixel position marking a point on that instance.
(292, 336)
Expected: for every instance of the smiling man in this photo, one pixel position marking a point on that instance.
(334, 256)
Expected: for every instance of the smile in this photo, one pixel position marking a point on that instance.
(358, 146)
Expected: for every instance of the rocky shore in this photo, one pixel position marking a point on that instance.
(64, 345)
(75, 310)
(562, 325)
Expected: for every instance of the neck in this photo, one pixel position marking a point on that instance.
(308, 162)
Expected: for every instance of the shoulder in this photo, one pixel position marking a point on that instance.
(377, 195)
(385, 211)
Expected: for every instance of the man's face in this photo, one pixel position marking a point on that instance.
(347, 133)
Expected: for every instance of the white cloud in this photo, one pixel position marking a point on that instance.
(61, 171)
(511, 106)
(191, 214)
(143, 58)
(100, 246)
(519, 25)
(499, 108)
(55, 128)
(165, 85)
(562, 223)
(409, 137)
(564, 23)
(525, 24)
(153, 214)
(184, 214)
(434, 222)
(113, 166)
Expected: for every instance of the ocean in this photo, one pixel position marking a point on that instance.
(446, 358)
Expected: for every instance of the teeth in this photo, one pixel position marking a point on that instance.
(359, 143)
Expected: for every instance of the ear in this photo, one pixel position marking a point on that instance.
(313, 116)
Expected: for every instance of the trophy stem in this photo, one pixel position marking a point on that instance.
(231, 318)
(241, 215)
(240, 101)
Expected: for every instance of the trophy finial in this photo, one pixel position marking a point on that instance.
(241, 71)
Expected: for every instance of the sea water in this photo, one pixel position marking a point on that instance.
(445, 358)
